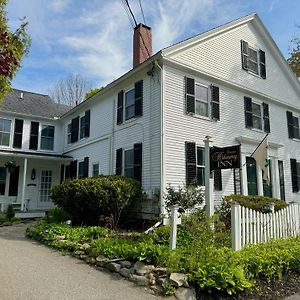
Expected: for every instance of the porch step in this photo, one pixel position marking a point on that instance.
(30, 214)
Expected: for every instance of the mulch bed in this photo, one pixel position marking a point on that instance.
(264, 290)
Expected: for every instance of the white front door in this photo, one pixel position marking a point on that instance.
(44, 188)
(31, 196)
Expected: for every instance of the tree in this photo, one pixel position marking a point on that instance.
(294, 59)
(13, 47)
(70, 90)
(93, 92)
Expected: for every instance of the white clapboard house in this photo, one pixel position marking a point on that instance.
(231, 83)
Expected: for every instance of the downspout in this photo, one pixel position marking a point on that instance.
(162, 183)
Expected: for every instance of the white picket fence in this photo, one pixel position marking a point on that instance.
(250, 227)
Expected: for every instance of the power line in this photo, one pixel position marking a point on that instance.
(133, 17)
(128, 13)
(141, 7)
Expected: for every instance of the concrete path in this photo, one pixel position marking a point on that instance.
(30, 271)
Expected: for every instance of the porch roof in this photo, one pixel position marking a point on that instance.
(37, 155)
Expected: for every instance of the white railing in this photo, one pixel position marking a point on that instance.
(250, 227)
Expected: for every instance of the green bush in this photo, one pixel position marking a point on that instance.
(258, 203)
(57, 215)
(10, 212)
(97, 200)
(3, 217)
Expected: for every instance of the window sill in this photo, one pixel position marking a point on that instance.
(129, 121)
(257, 130)
(253, 74)
(201, 117)
(295, 140)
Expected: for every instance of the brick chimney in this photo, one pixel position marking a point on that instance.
(142, 37)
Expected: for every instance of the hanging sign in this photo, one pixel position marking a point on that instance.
(225, 158)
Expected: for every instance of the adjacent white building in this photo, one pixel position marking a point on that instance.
(231, 82)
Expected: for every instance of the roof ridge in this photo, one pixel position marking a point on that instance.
(40, 94)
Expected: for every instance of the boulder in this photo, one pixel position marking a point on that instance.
(126, 272)
(112, 266)
(160, 271)
(139, 280)
(126, 264)
(142, 268)
(157, 289)
(185, 294)
(101, 260)
(178, 279)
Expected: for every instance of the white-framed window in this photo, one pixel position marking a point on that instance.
(95, 169)
(200, 166)
(47, 137)
(5, 126)
(253, 60)
(2, 180)
(129, 163)
(45, 186)
(81, 169)
(296, 127)
(201, 100)
(82, 127)
(129, 104)
(69, 126)
(257, 115)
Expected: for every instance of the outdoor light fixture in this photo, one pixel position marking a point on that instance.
(33, 174)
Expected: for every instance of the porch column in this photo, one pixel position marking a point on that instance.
(260, 187)
(275, 178)
(244, 183)
(24, 185)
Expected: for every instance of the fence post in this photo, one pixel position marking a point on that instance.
(236, 226)
(173, 223)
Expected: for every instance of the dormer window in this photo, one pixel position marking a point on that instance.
(5, 125)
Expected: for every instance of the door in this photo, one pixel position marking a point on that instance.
(45, 185)
(31, 196)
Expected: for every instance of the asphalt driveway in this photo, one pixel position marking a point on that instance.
(30, 271)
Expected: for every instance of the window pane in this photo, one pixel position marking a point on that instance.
(4, 139)
(200, 156)
(200, 176)
(47, 137)
(201, 92)
(4, 132)
(253, 54)
(257, 123)
(80, 169)
(129, 98)
(95, 169)
(129, 158)
(201, 108)
(129, 112)
(256, 109)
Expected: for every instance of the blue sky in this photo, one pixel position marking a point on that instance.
(93, 38)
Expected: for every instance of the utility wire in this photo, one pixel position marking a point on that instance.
(128, 13)
(133, 17)
(141, 7)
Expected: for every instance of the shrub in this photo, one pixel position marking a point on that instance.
(57, 215)
(96, 200)
(10, 212)
(258, 203)
(187, 197)
(3, 217)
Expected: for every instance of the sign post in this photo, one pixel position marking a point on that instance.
(209, 195)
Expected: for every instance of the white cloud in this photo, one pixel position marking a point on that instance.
(59, 6)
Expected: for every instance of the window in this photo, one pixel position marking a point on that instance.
(95, 169)
(34, 134)
(293, 125)
(18, 133)
(82, 127)
(81, 169)
(253, 60)
(4, 132)
(200, 166)
(281, 179)
(45, 186)
(69, 133)
(295, 174)
(2, 180)
(256, 115)
(129, 163)
(201, 100)
(47, 137)
(129, 105)
(251, 176)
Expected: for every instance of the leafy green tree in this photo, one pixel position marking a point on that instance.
(294, 59)
(93, 92)
(13, 47)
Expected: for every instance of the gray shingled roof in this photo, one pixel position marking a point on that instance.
(32, 104)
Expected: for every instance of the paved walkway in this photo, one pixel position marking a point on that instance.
(30, 271)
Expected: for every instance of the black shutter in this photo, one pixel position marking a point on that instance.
(34, 134)
(266, 117)
(245, 54)
(190, 95)
(218, 180)
(86, 167)
(74, 129)
(262, 63)
(138, 98)
(73, 169)
(14, 182)
(68, 172)
(295, 183)
(120, 107)
(290, 124)
(87, 123)
(215, 102)
(138, 162)
(119, 155)
(62, 173)
(248, 112)
(18, 133)
(190, 158)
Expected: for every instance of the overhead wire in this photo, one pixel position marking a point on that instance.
(128, 13)
(141, 7)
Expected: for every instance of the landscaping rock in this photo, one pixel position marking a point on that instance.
(152, 281)
(79, 252)
(126, 272)
(126, 264)
(161, 280)
(91, 260)
(101, 260)
(185, 293)
(83, 256)
(60, 237)
(157, 289)
(112, 266)
(178, 279)
(139, 280)
(87, 248)
(142, 268)
(160, 271)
